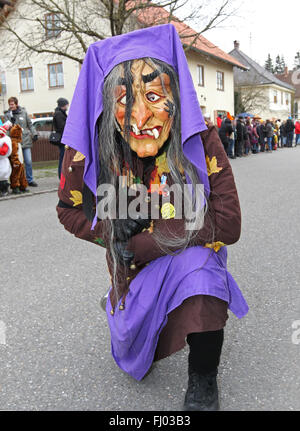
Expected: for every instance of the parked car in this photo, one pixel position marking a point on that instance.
(42, 150)
(43, 126)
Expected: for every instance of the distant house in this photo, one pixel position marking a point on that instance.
(260, 91)
(212, 73)
(292, 77)
(43, 79)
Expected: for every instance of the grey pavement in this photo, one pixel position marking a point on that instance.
(54, 339)
(47, 180)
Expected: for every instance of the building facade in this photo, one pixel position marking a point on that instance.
(260, 91)
(292, 77)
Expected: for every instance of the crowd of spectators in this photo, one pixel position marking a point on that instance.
(244, 136)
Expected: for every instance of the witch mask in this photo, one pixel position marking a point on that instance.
(145, 97)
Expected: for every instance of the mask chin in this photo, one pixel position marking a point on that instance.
(146, 149)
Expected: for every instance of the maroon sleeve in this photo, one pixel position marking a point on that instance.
(69, 208)
(222, 222)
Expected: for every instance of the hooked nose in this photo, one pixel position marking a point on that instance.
(140, 112)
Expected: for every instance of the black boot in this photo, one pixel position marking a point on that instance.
(16, 191)
(204, 358)
(202, 392)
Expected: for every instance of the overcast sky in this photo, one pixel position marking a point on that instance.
(262, 27)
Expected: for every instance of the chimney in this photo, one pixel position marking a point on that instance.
(286, 71)
(236, 44)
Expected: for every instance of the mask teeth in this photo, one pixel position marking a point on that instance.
(135, 129)
(155, 133)
(150, 133)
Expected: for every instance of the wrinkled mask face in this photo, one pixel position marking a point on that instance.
(152, 109)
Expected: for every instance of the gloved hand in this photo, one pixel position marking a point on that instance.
(35, 138)
(124, 256)
(125, 229)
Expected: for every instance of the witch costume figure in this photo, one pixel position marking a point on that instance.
(135, 126)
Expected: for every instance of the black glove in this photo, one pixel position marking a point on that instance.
(125, 229)
(35, 138)
(124, 256)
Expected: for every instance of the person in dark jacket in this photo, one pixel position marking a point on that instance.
(225, 132)
(239, 137)
(59, 121)
(261, 131)
(247, 131)
(270, 134)
(282, 135)
(289, 127)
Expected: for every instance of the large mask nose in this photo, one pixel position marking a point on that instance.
(140, 112)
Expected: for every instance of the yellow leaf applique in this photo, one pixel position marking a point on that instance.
(212, 166)
(76, 197)
(162, 165)
(78, 157)
(215, 245)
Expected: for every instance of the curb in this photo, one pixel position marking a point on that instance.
(24, 195)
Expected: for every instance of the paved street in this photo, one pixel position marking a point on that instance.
(54, 339)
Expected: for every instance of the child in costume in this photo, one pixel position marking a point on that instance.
(5, 167)
(18, 181)
(144, 130)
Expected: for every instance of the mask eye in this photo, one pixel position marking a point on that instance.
(153, 97)
(122, 100)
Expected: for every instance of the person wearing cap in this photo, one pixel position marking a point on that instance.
(135, 126)
(59, 122)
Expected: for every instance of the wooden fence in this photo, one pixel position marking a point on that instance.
(43, 151)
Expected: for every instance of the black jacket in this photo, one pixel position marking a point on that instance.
(262, 133)
(239, 131)
(289, 126)
(59, 120)
(282, 130)
(225, 131)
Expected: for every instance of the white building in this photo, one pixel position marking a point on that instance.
(273, 97)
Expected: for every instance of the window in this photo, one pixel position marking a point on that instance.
(2, 84)
(282, 97)
(55, 75)
(26, 79)
(200, 71)
(220, 81)
(287, 99)
(52, 25)
(275, 96)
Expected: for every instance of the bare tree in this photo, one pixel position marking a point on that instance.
(67, 27)
(253, 99)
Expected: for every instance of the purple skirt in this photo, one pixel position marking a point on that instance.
(156, 291)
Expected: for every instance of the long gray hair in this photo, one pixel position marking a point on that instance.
(113, 150)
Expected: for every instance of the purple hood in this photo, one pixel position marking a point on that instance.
(160, 42)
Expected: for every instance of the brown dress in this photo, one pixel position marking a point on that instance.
(222, 225)
(18, 177)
